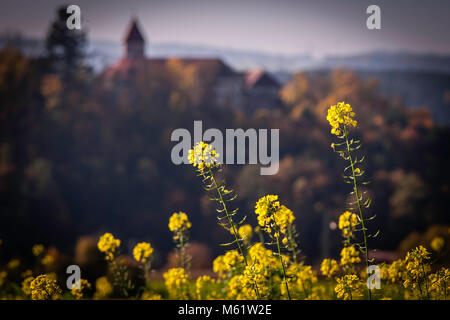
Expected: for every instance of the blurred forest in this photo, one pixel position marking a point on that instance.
(79, 157)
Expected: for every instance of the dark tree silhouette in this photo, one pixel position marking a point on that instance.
(65, 48)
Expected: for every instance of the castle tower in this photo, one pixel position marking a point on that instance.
(134, 41)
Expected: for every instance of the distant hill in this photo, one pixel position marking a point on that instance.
(103, 53)
(417, 88)
(421, 79)
(106, 52)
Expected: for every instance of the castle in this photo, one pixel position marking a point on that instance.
(250, 90)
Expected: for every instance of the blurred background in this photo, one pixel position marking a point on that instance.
(86, 117)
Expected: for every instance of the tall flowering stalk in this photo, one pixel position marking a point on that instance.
(206, 160)
(276, 220)
(110, 247)
(142, 253)
(179, 224)
(341, 119)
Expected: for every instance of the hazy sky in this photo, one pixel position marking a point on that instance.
(317, 27)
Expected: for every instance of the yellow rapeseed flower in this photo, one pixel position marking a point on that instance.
(348, 287)
(179, 222)
(13, 264)
(26, 286)
(103, 288)
(202, 156)
(245, 232)
(347, 222)
(271, 213)
(47, 260)
(437, 243)
(44, 287)
(329, 267)
(37, 249)
(440, 283)
(108, 245)
(349, 256)
(340, 115)
(177, 281)
(203, 288)
(83, 287)
(142, 252)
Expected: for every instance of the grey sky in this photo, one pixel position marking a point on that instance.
(318, 27)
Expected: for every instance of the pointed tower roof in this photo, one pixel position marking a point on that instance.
(134, 34)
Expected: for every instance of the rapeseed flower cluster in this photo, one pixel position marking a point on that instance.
(253, 270)
(437, 243)
(417, 270)
(347, 223)
(224, 265)
(179, 223)
(204, 288)
(203, 156)
(81, 289)
(272, 215)
(301, 280)
(329, 267)
(340, 115)
(349, 256)
(103, 288)
(440, 283)
(349, 287)
(142, 252)
(108, 245)
(254, 282)
(44, 287)
(245, 232)
(37, 250)
(177, 283)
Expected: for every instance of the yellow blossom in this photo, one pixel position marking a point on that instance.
(349, 287)
(245, 232)
(37, 249)
(103, 288)
(271, 214)
(108, 245)
(437, 243)
(347, 223)
(349, 256)
(150, 296)
(223, 265)
(81, 289)
(26, 286)
(47, 260)
(179, 223)
(329, 267)
(202, 156)
(177, 281)
(142, 252)
(44, 287)
(204, 289)
(340, 115)
(13, 264)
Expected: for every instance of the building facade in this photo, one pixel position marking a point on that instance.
(249, 90)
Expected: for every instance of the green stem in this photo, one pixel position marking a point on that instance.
(425, 280)
(182, 250)
(282, 266)
(292, 244)
(230, 221)
(355, 189)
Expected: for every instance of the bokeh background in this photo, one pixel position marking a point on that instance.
(85, 124)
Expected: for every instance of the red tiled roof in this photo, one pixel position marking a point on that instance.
(258, 77)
